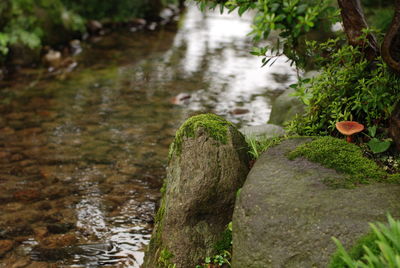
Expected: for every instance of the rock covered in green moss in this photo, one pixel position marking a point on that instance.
(286, 214)
(346, 158)
(215, 126)
(208, 164)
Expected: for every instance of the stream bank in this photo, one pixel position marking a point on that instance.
(83, 158)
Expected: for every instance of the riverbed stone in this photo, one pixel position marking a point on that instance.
(264, 131)
(285, 108)
(208, 164)
(5, 246)
(286, 215)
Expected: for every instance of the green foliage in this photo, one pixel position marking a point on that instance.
(344, 157)
(24, 22)
(29, 23)
(348, 88)
(291, 18)
(357, 251)
(117, 11)
(381, 248)
(105, 9)
(381, 18)
(19, 25)
(225, 243)
(375, 144)
(213, 125)
(165, 259)
(258, 146)
(223, 249)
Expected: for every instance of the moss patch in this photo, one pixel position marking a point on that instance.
(357, 251)
(156, 241)
(344, 157)
(225, 243)
(215, 126)
(165, 259)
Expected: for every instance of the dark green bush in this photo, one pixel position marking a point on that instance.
(112, 10)
(29, 23)
(348, 88)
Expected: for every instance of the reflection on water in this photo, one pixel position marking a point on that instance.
(82, 160)
(216, 48)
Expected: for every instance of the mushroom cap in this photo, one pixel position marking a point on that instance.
(349, 128)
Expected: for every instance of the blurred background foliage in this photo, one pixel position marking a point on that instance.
(29, 24)
(33, 23)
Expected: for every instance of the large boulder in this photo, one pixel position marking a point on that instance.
(208, 164)
(285, 107)
(286, 216)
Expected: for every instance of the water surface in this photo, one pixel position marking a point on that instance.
(82, 159)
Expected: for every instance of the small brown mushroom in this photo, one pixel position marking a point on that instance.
(349, 128)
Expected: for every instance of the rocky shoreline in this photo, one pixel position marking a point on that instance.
(60, 57)
(285, 214)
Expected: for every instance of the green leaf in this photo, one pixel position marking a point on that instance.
(372, 131)
(302, 9)
(242, 9)
(378, 146)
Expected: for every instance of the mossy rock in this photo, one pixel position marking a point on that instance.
(344, 157)
(286, 213)
(208, 164)
(216, 127)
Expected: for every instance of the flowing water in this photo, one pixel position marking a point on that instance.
(82, 159)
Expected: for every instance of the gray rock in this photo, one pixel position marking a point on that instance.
(202, 180)
(285, 108)
(263, 131)
(285, 215)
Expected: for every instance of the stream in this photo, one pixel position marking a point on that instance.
(82, 159)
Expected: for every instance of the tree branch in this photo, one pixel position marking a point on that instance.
(391, 44)
(354, 22)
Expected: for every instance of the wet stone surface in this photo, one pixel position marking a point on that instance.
(82, 159)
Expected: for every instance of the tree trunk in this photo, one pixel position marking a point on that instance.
(391, 44)
(354, 22)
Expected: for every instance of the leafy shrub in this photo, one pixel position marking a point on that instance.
(24, 21)
(381, 248)
(348, 88)
(117, 11)
(30, 23)
(381, 18)
(291, 18)
(105, 9)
